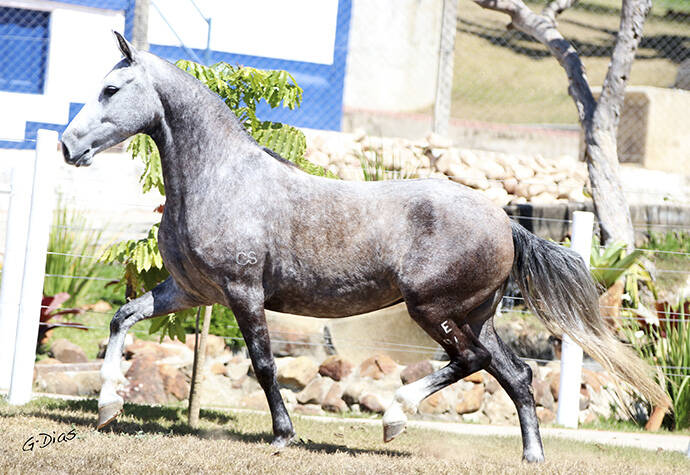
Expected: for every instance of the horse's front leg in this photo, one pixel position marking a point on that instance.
(252, 322)
(163, 299)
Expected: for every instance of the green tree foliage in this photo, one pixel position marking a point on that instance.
(242, 88)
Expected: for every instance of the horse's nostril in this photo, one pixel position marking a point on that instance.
(65, 152)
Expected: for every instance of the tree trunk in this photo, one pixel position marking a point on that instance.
(197, 368)
(599, 121)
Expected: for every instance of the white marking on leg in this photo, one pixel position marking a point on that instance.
(411, 395)
(111, 374)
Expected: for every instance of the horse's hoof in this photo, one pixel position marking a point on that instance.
(283, 441)
(394, 422)
(392, 430)
(533, 457)
(108, 413)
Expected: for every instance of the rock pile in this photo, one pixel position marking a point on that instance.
(505, 178)
(160, 373)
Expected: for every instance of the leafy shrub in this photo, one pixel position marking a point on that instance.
(373, 168)
(609, 263)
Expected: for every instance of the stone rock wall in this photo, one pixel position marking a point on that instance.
(504, 178)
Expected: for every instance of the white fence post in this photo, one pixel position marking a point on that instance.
(13, 265)
(571, 353)
(40, 219)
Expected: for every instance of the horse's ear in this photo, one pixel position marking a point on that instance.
(128, 51)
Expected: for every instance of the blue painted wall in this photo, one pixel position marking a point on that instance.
(322, 102)
(24, 37)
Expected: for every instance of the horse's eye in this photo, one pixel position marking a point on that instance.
(110, 90)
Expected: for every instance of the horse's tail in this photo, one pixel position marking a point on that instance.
(558, 287)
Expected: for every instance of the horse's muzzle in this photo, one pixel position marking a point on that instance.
(82, 159)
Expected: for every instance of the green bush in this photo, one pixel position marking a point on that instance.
(373, 168)
(609, 263)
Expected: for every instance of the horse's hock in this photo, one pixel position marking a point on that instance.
(653, 128)
(390, 331)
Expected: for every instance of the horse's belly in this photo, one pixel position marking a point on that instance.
(334, 301)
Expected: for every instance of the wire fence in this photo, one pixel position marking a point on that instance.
(375, 345)
(522, 84)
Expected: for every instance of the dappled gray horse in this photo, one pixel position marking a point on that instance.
(330, 248)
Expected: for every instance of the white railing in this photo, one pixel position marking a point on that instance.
(28, 265)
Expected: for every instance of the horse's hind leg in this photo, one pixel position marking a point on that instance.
(467, 355)
(516, 378)
(164, 298)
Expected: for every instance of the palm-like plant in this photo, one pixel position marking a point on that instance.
(666, 344)
(51, 315)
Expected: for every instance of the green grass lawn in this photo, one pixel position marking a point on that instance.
(156, 439)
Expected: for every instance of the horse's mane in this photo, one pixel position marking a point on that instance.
(278, 157)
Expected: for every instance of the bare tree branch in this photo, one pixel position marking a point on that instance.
(556, 7)
(599, 121)
(544, 31)
(633, 15)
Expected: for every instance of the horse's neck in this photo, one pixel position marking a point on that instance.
(197, 135)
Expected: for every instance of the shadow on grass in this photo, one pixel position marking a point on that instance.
(84, 413)
(312, 446)
(142, 419)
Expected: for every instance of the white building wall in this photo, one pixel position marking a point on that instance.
(81, 51)
(392, 57)
(298, 30)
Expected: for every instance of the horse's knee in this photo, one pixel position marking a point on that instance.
(118, 323)
(524, 374)
(264, 366)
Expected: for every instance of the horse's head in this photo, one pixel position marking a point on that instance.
(126, 105)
